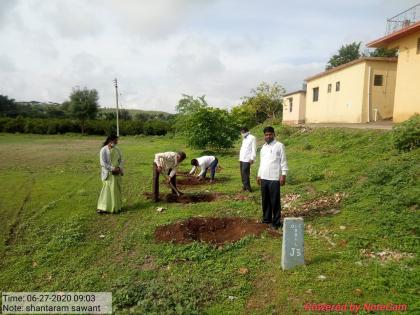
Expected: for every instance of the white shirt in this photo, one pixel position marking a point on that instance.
(105, 161)
(273, 161)
(203, 162)
(248, 149)
(168, 161)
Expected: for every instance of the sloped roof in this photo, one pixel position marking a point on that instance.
(349, 64)
(388, 39)
(295, 92)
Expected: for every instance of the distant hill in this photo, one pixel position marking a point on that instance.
(33, 103)
(137, 111)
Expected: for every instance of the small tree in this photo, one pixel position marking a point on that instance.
(345, 54)
(83, 105)
(124, 114)
(188, 104)
(8, 106)
(244, 115)
(105, 115)
(141, 116)
(204, 126)
(383, 52)
(266, 99)
(211, 128)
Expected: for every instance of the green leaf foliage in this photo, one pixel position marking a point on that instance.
(406, 136)
(204, 126)
(345, 54)
(83, 105)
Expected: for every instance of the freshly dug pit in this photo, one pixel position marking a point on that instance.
(191, 198)
(190, 181)
(215, 231)
(186, 197)
(184, 180)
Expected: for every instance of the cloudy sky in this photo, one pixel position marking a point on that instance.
(159, 49)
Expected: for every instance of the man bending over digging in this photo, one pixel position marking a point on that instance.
(166, 163)
(205, 162)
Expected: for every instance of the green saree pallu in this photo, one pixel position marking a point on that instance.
(110, 199)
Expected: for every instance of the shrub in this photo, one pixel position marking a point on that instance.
(131, 127)
(406, 136)
(14, 125)
(156, 128)
(209, 127)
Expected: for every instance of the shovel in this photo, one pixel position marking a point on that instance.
(178, 193)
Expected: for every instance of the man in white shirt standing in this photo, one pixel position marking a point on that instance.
(271, 175)
(247, 156)
(166, 163)
(204, 163)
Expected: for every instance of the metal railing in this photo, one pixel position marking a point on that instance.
(403, 19)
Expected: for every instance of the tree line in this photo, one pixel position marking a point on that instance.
(79, 114)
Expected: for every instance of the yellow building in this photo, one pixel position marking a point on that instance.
(407, 90)
(294, 107)
(356, 92)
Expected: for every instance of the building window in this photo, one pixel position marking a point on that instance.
(329, 88)
(290, 104)
(418, 45)
(378, 80)
(315, 94)
(337, 86)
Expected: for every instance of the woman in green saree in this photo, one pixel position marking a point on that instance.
(110, 199)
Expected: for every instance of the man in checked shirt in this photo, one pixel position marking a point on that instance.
(167, 164)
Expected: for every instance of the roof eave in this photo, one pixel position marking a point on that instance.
(349, 64)
(388, 39)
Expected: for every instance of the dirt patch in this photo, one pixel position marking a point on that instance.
(191, 181)
(191, 198)
(325, 205)
(385, 255)
(184, 180)
(186, 197)
(215, 231)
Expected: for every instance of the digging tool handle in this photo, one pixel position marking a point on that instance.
(174, 188)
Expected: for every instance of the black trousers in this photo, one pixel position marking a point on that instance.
(270, 195)
(245, 171)
(156, 183)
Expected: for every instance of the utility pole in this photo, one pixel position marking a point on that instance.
(116, 96)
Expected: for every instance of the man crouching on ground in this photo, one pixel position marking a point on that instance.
(204, 162)
(167, 164)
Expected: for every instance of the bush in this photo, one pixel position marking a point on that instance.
(92, 127)
(406, 136)
(14, 125)
(156, 127)
(131, 127)
(209, 127)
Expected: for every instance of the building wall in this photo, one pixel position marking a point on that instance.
(342, 106)
(381, 97)
(297, 115)
(302, 108)
(407, 90)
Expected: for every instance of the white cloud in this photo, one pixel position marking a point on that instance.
(160, 49)
(6, 64)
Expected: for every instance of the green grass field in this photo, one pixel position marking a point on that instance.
(53, 240)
